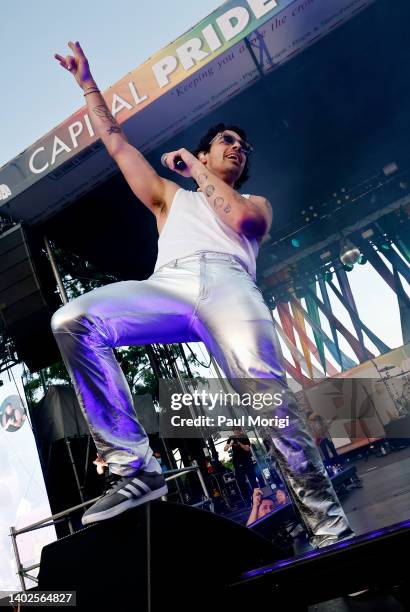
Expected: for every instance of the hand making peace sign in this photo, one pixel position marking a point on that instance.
(77, 64)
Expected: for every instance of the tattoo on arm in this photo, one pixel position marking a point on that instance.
(201, 178)
(219, 202)
(102, 111)
(114, 129)
(209, 189)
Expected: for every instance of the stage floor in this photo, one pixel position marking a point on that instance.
(383, 500)
(385, 496)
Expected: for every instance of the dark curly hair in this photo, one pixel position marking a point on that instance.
(204, 146)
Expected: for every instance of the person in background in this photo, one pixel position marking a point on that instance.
(243, 465)
(261, 506)
(12, 418)
(320, 430)
(281, 497)
(158, 457)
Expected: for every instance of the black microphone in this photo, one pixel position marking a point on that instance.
(179, 162)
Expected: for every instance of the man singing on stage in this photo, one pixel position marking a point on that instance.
(202, 289)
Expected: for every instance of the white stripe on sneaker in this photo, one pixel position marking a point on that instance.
(141, 484)
(125, 493)
(136, 491)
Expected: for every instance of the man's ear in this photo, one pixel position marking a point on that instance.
(202, 157)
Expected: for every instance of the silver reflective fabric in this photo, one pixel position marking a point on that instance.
(208, 297)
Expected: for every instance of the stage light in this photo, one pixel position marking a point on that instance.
(362, 260)
(385, 246)
(349, 253)
(328, 275)
(295, 243)
(348, 267)
(390, 168)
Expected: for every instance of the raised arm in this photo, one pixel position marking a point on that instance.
(228, 445)
(256, 502)
(152, 189)
(17, 418)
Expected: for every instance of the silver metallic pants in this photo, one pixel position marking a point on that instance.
(207, 297)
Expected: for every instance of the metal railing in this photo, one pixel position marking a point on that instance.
(66, 514)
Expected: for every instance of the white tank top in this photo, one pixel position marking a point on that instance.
(193, 227)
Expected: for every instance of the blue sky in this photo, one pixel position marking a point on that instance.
(37, 93)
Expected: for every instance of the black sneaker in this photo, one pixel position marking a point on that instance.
(127, 493)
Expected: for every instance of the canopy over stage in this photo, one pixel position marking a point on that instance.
(321, 89)
(329, 118)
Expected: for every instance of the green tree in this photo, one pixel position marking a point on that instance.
(81, 276)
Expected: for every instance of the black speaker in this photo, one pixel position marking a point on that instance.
(66, 450)
(27, 297)
(159, 556)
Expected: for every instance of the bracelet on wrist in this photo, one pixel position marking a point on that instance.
(90, 91)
